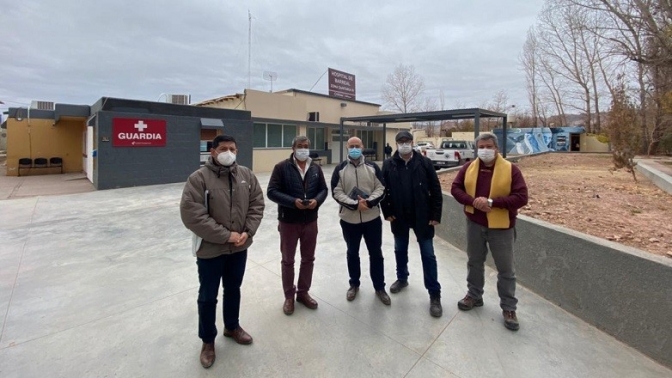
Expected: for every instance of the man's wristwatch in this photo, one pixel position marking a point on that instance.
(490, 202)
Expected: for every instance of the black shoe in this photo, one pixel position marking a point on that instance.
(467, 303)
(397, 286)
(382, 295)
(435, 308)
(510, 320)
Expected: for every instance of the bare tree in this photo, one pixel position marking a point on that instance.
(551, 94)
(563, 35)
(432, 128)
(403, 89)
(640, 31)
(528, 60)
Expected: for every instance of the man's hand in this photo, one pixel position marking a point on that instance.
(362, 206)
(391, 218)
(481, 203)
(299, 204)
(433, 223)
(234, 237)
(312, 205)
(242, 239)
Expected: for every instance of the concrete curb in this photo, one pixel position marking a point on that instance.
(623, 291)
(659, 178)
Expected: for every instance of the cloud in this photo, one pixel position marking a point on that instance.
(76, 52)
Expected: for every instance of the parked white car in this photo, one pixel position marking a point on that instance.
(451, 154)
(422, 146)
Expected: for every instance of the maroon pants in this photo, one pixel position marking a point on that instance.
(290, 234)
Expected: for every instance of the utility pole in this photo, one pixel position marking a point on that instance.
(249, 48)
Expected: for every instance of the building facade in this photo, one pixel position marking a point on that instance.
(280, 116)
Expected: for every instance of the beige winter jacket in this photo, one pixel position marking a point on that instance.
(366, 176)
(235, 204)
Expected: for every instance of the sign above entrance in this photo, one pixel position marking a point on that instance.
(136, 132)
(341, 84)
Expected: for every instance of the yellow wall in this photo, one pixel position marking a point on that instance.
(296, 106)
(589, 143)
(43, 138)
(264, 160)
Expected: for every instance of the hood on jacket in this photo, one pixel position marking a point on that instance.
(218, 168)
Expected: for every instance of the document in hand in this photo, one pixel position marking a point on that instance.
(356, 192)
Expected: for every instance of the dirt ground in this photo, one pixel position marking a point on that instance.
(579, 192)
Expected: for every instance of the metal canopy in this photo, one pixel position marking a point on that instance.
(441, 115)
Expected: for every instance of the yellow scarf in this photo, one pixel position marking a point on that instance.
(500, 186)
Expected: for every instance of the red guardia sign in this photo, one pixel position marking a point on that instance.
(136, 132)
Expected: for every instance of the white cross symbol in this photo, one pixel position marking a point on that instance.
(141, 126)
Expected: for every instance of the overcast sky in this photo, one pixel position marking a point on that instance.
(74, 51)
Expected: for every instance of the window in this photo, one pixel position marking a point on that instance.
(206, 145)
(316, 137)
(288, 135)
(336, 135)
(259, 135)
(273, 135)
(314, 116)
(367, 137)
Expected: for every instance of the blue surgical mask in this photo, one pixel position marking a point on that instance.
(354, 153)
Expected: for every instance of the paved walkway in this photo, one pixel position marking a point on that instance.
(102, 284)
(12, 187)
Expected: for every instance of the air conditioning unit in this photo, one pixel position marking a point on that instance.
(179, 99)
(42, 105)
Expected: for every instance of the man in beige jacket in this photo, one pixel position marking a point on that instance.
(223, 204)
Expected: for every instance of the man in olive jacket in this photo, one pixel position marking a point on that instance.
(223, 204)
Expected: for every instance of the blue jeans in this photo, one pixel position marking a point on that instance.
(229, 270)
(372, 232)
(429, 266)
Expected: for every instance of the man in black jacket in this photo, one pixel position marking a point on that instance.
(413, 200)
(299, 188)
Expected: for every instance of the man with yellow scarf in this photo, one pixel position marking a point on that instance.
(491, 190)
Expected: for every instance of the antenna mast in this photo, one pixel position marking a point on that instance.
(249, 48)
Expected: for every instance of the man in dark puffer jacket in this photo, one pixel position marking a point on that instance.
(298, 187)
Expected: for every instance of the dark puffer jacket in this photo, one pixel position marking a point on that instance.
(426, 198)
(286, 185)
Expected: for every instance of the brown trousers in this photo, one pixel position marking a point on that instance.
(290, 235)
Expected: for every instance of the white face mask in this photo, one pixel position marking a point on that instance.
(301, 154)
(404, 148)
(226, 158)
(486, 155)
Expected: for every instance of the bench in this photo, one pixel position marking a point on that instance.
(316, 158)
(39, 163)
(369, 154)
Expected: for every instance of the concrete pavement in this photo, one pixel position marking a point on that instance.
(103, 284)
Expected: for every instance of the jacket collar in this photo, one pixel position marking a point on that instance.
(220, 169)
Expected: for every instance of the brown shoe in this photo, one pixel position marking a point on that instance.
(510, 320)
(307, 300)
(207, 354)
(352, 293)
(239, 335)
(382, 295)
(288, 307)
(467, 303)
